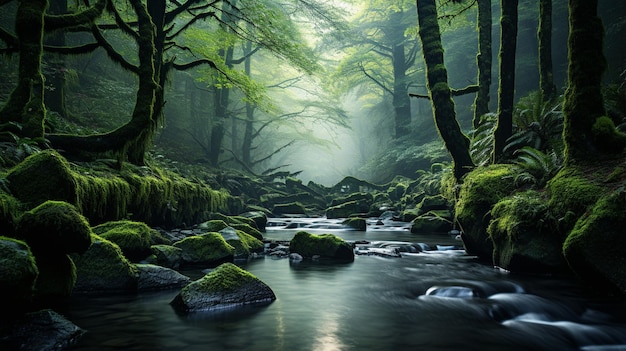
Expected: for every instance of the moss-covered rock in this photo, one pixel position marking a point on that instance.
(524, 236)
(258, 217)
(226, 286)
(355, 223)
(432, 203)
(595, 247)
(55, 227)
(348, 209)
(435, 221)
(244, 243)
(323, 245)
(57, 277)
(571, 195)
(167, 255)
(207, 249)
(10, 210)
(43, 176)
(103, 268)
(481, 190)
(294, 208)
(214, 225)
(608, 139)
(248, 230)
(134, 238)
(18, 272)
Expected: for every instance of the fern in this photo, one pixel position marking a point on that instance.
(535, 167)
(482, 140)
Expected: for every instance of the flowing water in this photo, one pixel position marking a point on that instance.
(436, 300)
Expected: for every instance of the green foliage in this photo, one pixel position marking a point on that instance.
(535, 167)
(537, 124)
(481, 144)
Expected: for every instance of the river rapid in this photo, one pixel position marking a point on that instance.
(434, 300)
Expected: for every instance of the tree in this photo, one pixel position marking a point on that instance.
(483, 60)
(588, 132)
(440, 94)
(382, 56)
(506, 92)
(544, 34)
(25, 106)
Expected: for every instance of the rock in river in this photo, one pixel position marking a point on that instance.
(226, 286)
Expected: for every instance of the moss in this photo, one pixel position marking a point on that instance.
(607, 138)
(55, 227)
(133, 238)
(209, 248)
(290, 208)
(436, 221)
(480, 191)
(324, 245)
(10, 210)
(356, 223)
(28, 183)
(18, 273)
(571, 195)
(226, 277)
(103, 268)
(594, 248)
(214, 225)
(245, 244)
(524, 236)
(255, 233)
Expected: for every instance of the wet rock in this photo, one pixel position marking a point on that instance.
(43, 330)
(167, 255)
(227, 286)
(324, 245)
(207, 249)
(153, 277)
(18, 272)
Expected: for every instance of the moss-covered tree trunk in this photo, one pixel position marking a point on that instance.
(506, 92)
(400, 64)
(55, 75)
(133, 136)
(456, 142)
(25, 105)
(483, 60)
(587, 131)
(544, 35)
(246, 145)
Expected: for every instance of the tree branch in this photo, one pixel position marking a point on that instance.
(58, 22)
(376, 81)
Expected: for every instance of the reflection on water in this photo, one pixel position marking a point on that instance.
(373, 303)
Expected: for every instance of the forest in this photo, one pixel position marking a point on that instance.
(122, 122)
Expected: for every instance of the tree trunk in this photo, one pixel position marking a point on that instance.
(401, 102)
(483, 60)
(55, 78)
(131, 139)
(25, 105)
(439, 90)
(544, 35)
(506, 93)
(246, 144)
(583, 105)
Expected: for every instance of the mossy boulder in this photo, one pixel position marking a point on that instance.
(133, 238)
(323, 245)
(214, 225)
(258, 217)
(167, 255)
(226, 286)
(481, 190)
(55, 227)
(572, 194)
(435, 221)
(57, 277)
(207, 249)
(348, 209)
(10, 210)
(432, 203)
(244, 243)
(18, 272)
(524, 236)
(42, 176)
(595, 247)
(608, 139)
(293, 208)
(355, 223)
(103, 268)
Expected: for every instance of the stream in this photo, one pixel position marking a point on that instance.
(434, 300)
